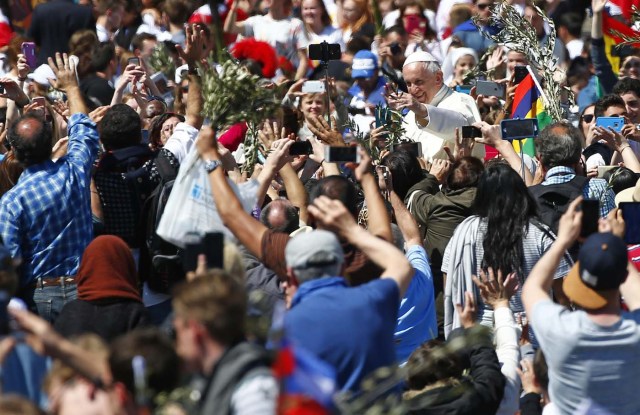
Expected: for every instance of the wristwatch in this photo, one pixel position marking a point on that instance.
(211, 165)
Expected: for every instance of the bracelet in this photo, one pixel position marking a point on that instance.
(22, 79)
(624, 148)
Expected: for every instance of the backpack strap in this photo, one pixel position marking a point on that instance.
(165, 169)
(547, 232)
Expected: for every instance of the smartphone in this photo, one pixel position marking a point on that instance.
(491, 89)
(133, 61)
(590, 214)
(415, 149)
(520, 72)
(519, 128)
(211, 245)
(415, 23)
(313, 87)
(615, 123)
(465, 89)
(631, 215)
(29, 52)
(469, 131)
(342, 154)
(325, 52)
(301, 148)
(603, 169)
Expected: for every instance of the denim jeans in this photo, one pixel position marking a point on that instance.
(47, 301)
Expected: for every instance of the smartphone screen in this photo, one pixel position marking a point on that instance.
(590, 215)
(491, 89)
(211, 245)
(133, 61)
(415, 149)
(517, 129)
(519, 73)
(631, 215)
(342, 154)
(469, 131)
(300, 148)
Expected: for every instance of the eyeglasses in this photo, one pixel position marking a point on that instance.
(587, 118)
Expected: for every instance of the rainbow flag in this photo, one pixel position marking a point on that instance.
(528, 103)
(610, 26)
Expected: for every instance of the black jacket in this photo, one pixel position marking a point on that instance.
(479, 393)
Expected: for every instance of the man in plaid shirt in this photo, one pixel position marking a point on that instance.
(45, 220)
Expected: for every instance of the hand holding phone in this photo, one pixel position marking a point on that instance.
(590, 215)
(469, 131)
(300, 148)
(133, 61)
(614, 123)
(342, 154)
(29, 52)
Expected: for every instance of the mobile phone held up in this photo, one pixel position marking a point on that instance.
(590, 215)
(133, 61)
(631, 216)
(211, 245)
(325, 52)
(615, 123)
(300, 148)
(519, 73)
(29, 52)
(490, 89)
(313, 87)
(415, 149)
(469, 131)
(517, 129)
(342, 154)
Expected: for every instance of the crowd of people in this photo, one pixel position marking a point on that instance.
(371, 257)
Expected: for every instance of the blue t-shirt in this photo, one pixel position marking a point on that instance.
(417, 315)
(351, 328)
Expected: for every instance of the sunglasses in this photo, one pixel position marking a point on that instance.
(632, 64)
(484, 5)
(588, 118)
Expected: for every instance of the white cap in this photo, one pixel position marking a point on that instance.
(42, 74)
(420, 56)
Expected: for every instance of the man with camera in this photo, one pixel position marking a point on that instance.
(435, 110)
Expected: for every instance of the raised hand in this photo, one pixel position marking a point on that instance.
(467, 314)
(440, 169)
(194, 49)
(333, 215)
(494, 291)
(65, 73)
(320, 128)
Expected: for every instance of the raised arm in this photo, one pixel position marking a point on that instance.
(67, 81)
(333, 215)
(491, 136)
(230, 24)
(540, 280)
(378, 221)
(247, 229)
(192, 54)
(406, 222)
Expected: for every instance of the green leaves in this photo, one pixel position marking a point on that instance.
(162, 61)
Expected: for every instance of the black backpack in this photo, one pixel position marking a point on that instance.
(160, 261)
(554, 199)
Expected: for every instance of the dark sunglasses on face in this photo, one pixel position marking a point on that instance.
(587, 118)
(483, 6)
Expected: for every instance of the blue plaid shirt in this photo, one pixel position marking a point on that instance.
(596, 188)
(46, 218)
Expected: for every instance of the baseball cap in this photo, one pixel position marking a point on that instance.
(313, 249)
(631, 194)
(602, 265)
(42, 74)
(365, 64)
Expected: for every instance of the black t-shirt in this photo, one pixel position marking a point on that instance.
(97, 91)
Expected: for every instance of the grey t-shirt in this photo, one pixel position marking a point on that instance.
(588, 361)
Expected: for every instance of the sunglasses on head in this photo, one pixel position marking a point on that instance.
(588, 118)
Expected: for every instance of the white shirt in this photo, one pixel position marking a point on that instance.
(287, 35)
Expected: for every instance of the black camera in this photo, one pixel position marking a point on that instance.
(325, 52)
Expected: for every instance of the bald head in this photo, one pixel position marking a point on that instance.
(280, 215)
(30, 139)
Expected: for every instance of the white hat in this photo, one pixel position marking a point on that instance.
(420, 56)
(42, 74)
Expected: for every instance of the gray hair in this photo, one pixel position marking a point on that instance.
(313, 273)
(559, 144)
(431, 66)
